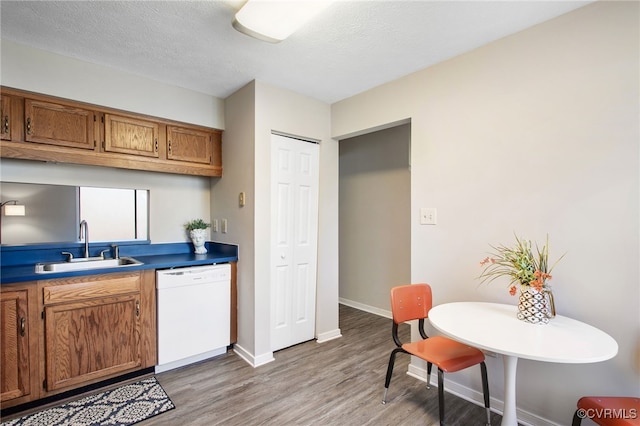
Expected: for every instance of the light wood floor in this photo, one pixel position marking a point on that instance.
(339, 382)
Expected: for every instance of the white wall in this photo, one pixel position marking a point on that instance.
(294, 114)
(252, 114)
(38, 71)
(238, 157)
(536, 133)
(173, 199)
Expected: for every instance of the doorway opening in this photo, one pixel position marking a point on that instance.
(374, 217)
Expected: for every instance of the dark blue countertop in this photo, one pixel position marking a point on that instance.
(17, 263)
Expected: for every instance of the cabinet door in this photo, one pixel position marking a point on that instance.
(92, 339)
(58, 124)
(192, 145)
(14, 345)
(128, 135)
(5, 117)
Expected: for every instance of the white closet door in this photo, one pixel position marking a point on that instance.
(294, 236)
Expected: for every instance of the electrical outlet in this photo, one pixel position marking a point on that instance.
(428, 216)
(215, 225)
(224, 226)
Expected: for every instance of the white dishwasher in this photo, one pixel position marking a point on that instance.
(193, 314)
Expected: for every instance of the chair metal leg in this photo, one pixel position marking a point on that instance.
(429, 365)
(485, 391)
(441, 396)
(387, 380)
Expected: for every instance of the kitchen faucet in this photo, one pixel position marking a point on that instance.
(84, 231)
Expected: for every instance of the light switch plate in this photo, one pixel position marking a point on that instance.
(428, 216)
(224, 226)
(215, 225)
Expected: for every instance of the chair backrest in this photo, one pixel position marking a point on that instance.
(410, 302)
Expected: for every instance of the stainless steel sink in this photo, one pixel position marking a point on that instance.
(83, 264)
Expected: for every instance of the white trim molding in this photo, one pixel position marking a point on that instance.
(254, 361)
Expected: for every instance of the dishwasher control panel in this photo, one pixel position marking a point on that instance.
(193, 275)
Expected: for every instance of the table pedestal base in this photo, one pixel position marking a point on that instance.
(509, 416)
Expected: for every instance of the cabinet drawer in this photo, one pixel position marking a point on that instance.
(72, 290)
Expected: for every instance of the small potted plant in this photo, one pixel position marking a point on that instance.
(197, 229)
(528, 270)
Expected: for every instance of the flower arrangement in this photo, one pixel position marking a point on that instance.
(520, 264)
(196, 224)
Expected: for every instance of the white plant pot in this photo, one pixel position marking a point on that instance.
(198, 238)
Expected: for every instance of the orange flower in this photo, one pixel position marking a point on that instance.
(512, 290)
(541, 277)
(487, 260)
(537, 284)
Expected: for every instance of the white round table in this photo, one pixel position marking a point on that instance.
(494, 327)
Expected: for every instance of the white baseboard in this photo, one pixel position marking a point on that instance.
(328, 335)
(525, 418)
(254, 361)
(366, 308)
(257, 361)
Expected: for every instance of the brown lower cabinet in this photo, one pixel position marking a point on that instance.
(18, 343)
(82, 330)
(61, 334)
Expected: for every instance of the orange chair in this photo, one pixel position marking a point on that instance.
(413, 302)
(608, 410)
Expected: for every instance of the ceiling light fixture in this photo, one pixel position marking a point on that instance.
(275, 20)
(13, 209)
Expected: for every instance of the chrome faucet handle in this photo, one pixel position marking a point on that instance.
(116, 251)
(103, 252)
(70, 255)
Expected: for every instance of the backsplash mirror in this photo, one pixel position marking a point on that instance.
(53, 213)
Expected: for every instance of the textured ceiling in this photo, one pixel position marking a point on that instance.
(353, 46)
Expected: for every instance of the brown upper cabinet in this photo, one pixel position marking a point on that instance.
(58, 124)
(130, 136)
(5, 117)
(186, 144)
(44, 128)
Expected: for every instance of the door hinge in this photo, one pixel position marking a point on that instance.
(42, 315)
